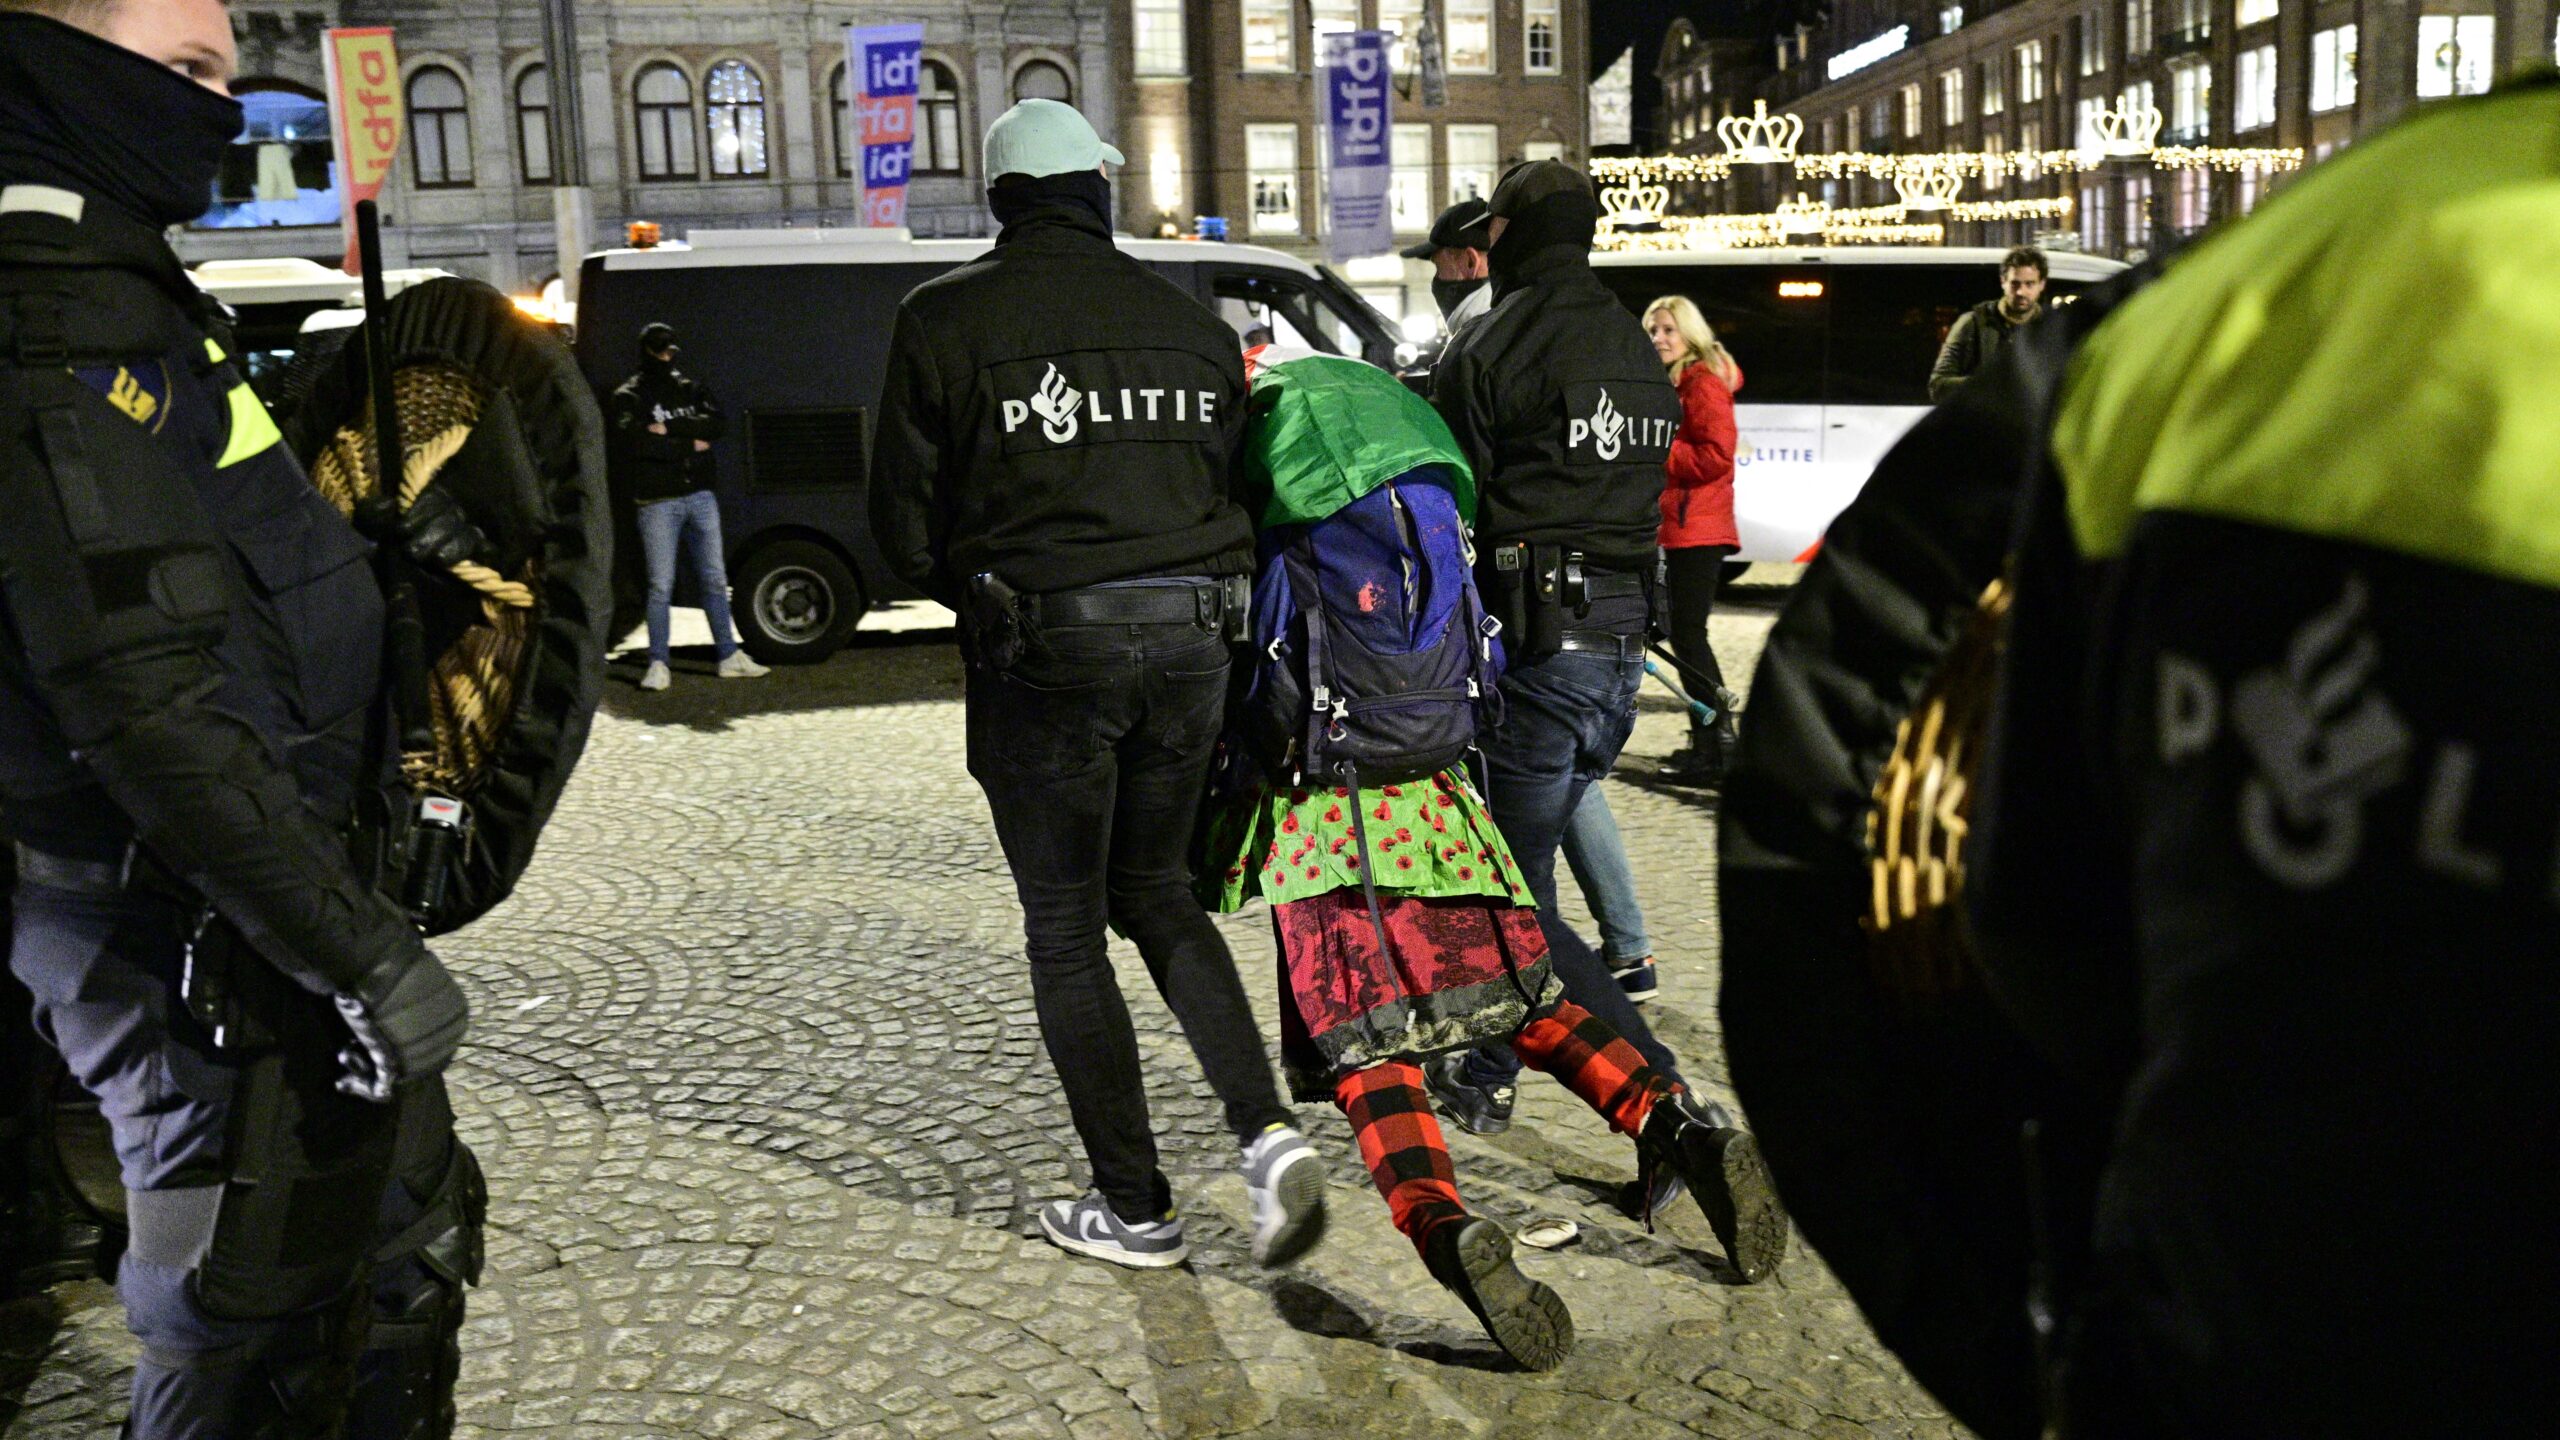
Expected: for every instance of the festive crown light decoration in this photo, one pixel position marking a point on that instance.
(1927, 190)
(1634, 203)
(1803, 215)
(2058, 208)
(2027, 164)
(1760, 140)
(2126, 133)
(1886, 235)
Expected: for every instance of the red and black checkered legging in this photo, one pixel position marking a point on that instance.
(1400, 1138)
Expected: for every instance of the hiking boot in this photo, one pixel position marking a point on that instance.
(1472, 1257)
(1088, 1227)
(1637, 980)
(1286, 1181)
(1700, 763)
(1477, 1109)
(657, 676)
(1722, 1168)
(741, 666)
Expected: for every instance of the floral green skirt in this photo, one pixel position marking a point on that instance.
(1429, 837)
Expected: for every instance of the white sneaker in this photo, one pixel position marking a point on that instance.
(1088, 1227)
(656, 676)
(741, 666)
(1286, 1181)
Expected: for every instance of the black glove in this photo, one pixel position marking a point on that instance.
(406, 1029)
(435, 532)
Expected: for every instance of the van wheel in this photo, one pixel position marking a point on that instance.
(797, 602)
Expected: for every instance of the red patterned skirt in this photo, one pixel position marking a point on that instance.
(1458, 970)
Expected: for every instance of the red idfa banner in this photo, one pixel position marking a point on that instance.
(364, 114)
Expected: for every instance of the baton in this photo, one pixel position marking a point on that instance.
(406, 642)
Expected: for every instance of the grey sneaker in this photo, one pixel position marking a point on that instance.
(1286, 1181)
(740, 666)
(656, 676)
(1088, 1227)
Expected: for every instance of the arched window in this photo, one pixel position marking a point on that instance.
(736, 96)
(937, 120)
(847, 143)
(280, 170)
(533, 125)
(662, 106)
(1041, 80)
(439, 130)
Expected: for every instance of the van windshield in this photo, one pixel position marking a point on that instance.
(1848, 334)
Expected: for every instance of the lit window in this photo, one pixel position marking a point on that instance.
(2190, 101)
(1994, 144)
(1475, 156)
(2137, 28)
(439, 130)
(1409, 182)
(662, 109)
(1271, 155)
(1270, 33)
(1911, 110)
(1470, 36)
(1950, 19)
(1542, 24)
(2031, 72)
(1994, 96)
(2252, 12)
(2453, 54)
(2088, 112)
(2256, 95)
(2136, 102)
(2333, 69)
(1336, 17)
(937, 120)
(1402, 20)
(736, 116)
(1951, 98)
(533, 125)
(2093, 42)
(1155, 39)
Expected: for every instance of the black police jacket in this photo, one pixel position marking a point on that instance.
(1565, 412)
(190, 635)
(663, 467)
(1059, 415)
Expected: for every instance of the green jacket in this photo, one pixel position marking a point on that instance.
(1321, 432)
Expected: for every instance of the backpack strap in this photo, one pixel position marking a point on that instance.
(1349, 771)
(1324, 706)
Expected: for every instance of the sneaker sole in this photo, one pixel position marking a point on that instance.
(1756, 1241)
(1300, 1188)
(1528, 1320)
(1113, 1253)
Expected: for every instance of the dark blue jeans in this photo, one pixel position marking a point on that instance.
(1093, 749)
(1566, 719)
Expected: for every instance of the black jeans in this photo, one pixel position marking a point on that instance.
(1093, 750)
(1566, 718)
(1695, 572)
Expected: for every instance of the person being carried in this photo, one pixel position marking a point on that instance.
(1406, 928)
(664, 421)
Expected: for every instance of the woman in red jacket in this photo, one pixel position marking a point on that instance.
(1698, 535)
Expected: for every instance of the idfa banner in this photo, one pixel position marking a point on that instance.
(364, 115)
(1358, 163)
(884, 61)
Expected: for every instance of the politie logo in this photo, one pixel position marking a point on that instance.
(1600, 429)
(1125, 396)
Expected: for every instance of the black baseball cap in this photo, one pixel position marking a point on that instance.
(1467, 225)
(657, 335)
(1531, 181)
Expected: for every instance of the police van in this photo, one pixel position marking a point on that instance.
(790, 329)
(1835, 344)
(277, 303)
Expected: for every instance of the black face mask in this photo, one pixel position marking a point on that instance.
(1081, 196)
(1450, 294)
(88, 115)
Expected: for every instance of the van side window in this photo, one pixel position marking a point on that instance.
(1295, 311)
(1887, 322)
(1774, 318)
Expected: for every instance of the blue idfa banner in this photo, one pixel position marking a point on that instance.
(884, 62)
(1358, 157)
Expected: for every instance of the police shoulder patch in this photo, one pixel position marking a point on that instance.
(141, 390)
(1618, 422)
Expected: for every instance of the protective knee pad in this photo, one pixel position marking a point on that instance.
(413, 1353)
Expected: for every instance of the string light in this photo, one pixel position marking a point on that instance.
(1855, 164)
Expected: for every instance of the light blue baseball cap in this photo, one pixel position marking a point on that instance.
(1044, 137)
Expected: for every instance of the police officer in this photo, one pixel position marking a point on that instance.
(1058, 437)
(1461, 285)
(1562, 408)
(189, 641)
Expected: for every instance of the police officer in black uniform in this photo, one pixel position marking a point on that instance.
(1562, 408)
(1058, 437)
(189, 715)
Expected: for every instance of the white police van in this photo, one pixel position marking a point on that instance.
(790, 329)
(1835, 344)
(276, 303)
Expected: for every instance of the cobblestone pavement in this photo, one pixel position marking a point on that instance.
(757, 1082)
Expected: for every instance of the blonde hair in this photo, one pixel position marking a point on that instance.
(1698, 341)
(89, 15)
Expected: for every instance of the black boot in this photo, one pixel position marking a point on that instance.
(1472, 1257)
(1721, 1166)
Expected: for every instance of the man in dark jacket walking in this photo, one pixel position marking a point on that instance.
(1567, 419)
(1058, 437)
(1980, 332)
(664, 421)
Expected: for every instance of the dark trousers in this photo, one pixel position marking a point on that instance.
(1695, 572)
(1093, 750)
(1566, 719)
(244, 1309)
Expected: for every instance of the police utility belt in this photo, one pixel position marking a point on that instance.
(999, 618)
(1544, 594)
(218, 961)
